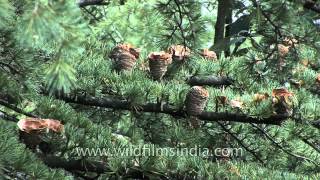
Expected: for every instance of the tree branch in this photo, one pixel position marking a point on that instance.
(241, 142)
(10, 67)
(83, 3)
(209, 80)
(243, 118)
(75, 165)
(312, 145)
(14, 108)
(109, 102)
(316, 124)
(4, 115)
(278, 145)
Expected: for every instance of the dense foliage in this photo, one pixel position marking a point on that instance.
(260, 88)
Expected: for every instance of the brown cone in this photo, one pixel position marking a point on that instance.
(207, 54)
(179, 52)
(196, 100)
(124, 56)
(158, 63)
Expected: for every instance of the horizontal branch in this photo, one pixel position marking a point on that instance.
(83, 3)
(312, 145)
(280, 146)
(316, 124)
(5, 116)
(108, 102)
(14, 108)
(75, 165)
(83, 165)
(243, 118)
(209, 81)
(10, 67)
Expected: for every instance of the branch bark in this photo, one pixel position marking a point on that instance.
(75, 165)
(209, 81)
(316, 124)
(109, 102)
(5, 116)
(14, 108)
(83, 3)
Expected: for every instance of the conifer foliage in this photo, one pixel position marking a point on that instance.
(78, 78)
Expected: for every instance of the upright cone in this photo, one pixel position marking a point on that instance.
(179, 52)
(196, 100)
(281, 101)
(158, 63)
(207, 54)
(124, 56)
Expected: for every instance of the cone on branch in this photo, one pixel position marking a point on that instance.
(290, 41)
(179, 52)
(196, 100)
(124, 56)
(32, 131)
(195, 103)
(285, 46)
(259, 97)
(281, 101)
(283, 50)
(158, 64)
(235, 103)
(207, 54)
